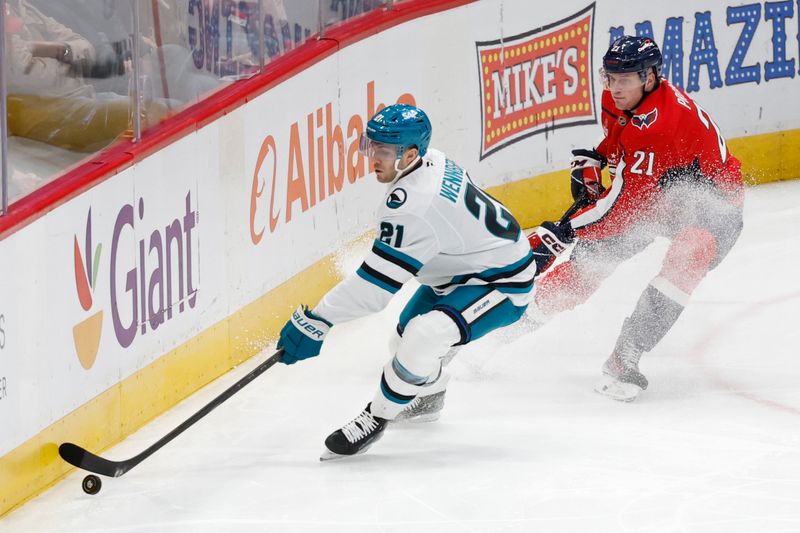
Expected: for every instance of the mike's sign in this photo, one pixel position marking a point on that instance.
(536, 81)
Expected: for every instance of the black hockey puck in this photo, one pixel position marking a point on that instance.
(91, 484)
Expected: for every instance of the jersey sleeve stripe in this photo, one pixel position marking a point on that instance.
(602, 207)
(383, 281)
(406, 262)
(388, 269)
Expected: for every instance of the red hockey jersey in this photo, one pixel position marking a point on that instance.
(669, 137)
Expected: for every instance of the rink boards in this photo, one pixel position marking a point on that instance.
(127, 297)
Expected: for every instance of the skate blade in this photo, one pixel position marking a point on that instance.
(328, 455)
(421, 419)
(617, 390)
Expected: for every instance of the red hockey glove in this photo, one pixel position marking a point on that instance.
(586, 177)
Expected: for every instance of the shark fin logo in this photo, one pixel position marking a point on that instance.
(86, 333)
(646, 120)
(396, 198)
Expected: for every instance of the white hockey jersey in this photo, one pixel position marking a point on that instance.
(437, 226)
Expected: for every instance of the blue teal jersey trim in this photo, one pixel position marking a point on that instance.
(500, 271)
(382, 283)
(493, 274)
(408, 263)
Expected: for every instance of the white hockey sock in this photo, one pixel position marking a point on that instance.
(398, 388)
(417, 363)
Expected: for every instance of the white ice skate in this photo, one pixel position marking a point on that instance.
(611, 387)
(622, 380)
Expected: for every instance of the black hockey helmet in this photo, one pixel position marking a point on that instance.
(633, 54)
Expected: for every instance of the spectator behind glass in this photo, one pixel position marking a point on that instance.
(42, 53)
(49, 100)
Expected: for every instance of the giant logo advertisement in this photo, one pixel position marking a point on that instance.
(146, 272)
(86, 333)
(536, 81)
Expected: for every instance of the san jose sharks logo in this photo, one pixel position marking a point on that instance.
(396, 198)
(646, 120)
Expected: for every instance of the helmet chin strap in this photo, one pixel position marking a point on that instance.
(402, 172)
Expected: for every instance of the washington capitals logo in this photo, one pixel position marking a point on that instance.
(396, 198)
(645, 121)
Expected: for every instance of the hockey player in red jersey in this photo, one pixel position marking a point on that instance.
(672, 175)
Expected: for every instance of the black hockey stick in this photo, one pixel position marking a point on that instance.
(576, 206)
(82, 458)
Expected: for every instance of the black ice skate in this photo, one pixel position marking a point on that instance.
(423, 409)
(622, 379)
(355, 437)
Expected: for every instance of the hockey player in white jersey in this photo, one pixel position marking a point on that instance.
(473, 263)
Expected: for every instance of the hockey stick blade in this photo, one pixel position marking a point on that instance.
(83, 458)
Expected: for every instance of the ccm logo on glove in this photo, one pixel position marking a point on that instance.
(556, 236)
(552, 243)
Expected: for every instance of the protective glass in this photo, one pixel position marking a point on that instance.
(378, 150)
(621, 80)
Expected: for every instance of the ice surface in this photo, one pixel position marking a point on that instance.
(524, 444)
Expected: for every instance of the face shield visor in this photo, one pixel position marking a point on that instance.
(623, 81)
(378, 150)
